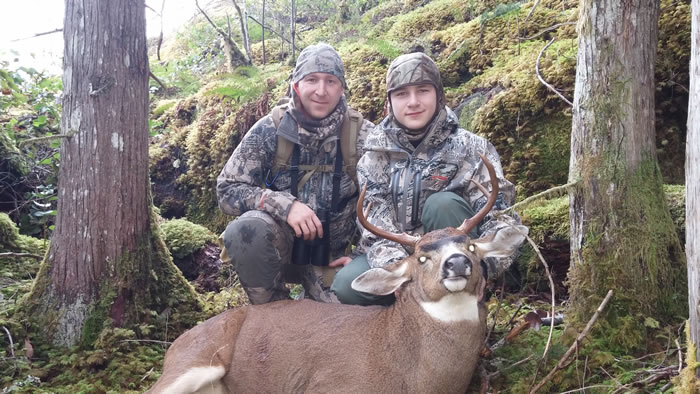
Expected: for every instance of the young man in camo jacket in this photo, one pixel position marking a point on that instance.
(420, 168)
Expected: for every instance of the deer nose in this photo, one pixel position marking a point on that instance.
(457, 265)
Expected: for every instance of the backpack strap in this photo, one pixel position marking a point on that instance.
(350, 130)
(348, 142)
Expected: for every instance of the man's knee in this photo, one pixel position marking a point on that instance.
(342, 285)
(445, 209)
(257, 246)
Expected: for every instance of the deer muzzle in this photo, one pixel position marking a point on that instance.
(456, 271)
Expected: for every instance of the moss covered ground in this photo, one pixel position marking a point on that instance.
(486, 51)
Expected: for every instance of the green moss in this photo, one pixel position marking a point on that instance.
(8, 232)
(436, 14)
(183, 238)
(162, 107)
(630, 247)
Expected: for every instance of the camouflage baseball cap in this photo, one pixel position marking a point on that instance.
(413, 69)
(319, 58)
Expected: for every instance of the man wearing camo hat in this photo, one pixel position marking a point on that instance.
(293, 214)
(420, 168)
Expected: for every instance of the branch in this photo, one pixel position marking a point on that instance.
(537, 70)
(544, 194)
(12, 345)
(45, 138)
(211, 22)
(551, 285)
(162, 85)
(267, 28)
(12, 254)
(531, 10)
(553, 27)
(38, 35)
(574, 346)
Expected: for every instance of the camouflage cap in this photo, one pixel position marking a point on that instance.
(319, 58)
(413, 69)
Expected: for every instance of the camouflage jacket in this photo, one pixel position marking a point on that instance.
(446, 160)
(247, 182)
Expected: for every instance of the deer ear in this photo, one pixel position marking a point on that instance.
(503, 243)
(382, 281)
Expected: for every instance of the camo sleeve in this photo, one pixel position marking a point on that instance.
(372, 171)
(239, 185)
(506, 196)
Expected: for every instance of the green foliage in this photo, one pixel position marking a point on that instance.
(244, 85)
(18, 268)
(183, 238)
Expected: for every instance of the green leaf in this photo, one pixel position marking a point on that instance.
(651, 322)
(40, 121)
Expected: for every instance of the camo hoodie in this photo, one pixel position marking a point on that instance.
(400, 177)
(247, 181)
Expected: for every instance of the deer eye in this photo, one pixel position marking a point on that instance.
(422, 259)
(471, 248)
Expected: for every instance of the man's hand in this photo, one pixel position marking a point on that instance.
(304, 221)
(340, 262)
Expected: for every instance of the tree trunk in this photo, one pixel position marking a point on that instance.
(242, 17)
(692, 183)
(292, 20)
(263, 32)
(622, 236)
(107, 262)
(234, 56)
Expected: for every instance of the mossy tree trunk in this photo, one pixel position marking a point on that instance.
(622, 236)
(107, 265)
(692, 183)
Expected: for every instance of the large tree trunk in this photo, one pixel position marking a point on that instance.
(107, 262)
(692, 183)
(622, 236)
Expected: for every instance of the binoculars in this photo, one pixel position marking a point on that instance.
(314, 252)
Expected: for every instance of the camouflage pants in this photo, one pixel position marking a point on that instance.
(260, 249)
(444, 209)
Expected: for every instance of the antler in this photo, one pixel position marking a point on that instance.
(402, 238)
(469, 224)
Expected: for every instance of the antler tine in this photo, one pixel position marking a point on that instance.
(403, 238)
(469, 224)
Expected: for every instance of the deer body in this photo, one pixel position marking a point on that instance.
(427, 342)
(275, 350)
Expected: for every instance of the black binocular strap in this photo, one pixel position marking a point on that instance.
(294, 171)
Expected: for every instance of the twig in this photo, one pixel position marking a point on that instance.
(537, 70)
(268, 28)
(495, 315)
(550, 28)
(551, 285)
(549, 192)
(574, 346)
(46, 138)
(583, 389)
(12, 345)
(162, 85)
(680, 357)
(38, 35)
(146, 340)
(13, 254)
(531, 10)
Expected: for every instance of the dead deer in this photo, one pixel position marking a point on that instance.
(428, 341)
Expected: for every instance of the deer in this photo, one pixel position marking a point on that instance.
(428, 341)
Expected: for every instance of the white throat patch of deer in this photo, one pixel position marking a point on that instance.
(428, 341)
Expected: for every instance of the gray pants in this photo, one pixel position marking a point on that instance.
(441, 210)
(260, 250)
